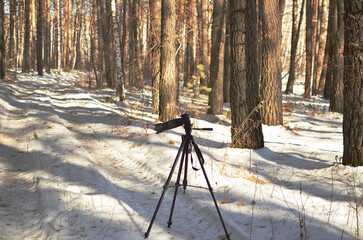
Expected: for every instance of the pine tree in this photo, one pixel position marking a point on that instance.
(167, 107)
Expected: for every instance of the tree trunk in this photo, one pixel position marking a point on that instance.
(155, 26)
(204, 43)
(119, 73)
(227, 59)
(336, 95)
(353, 87)
(309, 48)
(56, 35)
(189, 70)
(26, 50)
(2, 39)
(271, 83)
(294, 42)
(246, 120)
(167, 107)
(215, 103)
(40, 38)
(11, 53)
(321, 39)
(107, 35)
(47, 42)
(332, 28)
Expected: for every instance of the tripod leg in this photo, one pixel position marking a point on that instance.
(201, 162)
(185, 180)
(177, 183)
(182, 146)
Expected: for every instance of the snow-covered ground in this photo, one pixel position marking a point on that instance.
(75, 166)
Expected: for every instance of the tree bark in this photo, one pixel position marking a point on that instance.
(120, 73)
(321, 41)
(246, 120)
(189, 68)
(2, 39)
(204, 42)
(336, 95)
(215, 103)
(309, 48)
(332, 28)
(155, 27)
(26, 50)
(271, 83)
(167, 107)
(11, 53)
(353, 84)
(294, 42)
(227, 59)
(40, 38)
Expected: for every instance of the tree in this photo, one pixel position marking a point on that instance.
(11, 54)
(120, 90)
(309, 47)
(320, 47)
(353, 87)
(336, 94)
(327, 70)
(227, 59)
(246, 120)
(294, 42)
(40, 38)
(167, 107)
(107, 37)
(2, 40)
(189, 68)
(271, 19)
(215, 103)
(26, 50)
(155, 26)
(204, 43)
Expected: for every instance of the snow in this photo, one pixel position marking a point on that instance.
(76, 166)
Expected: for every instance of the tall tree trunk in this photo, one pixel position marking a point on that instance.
(227, 59)
(56, 35)
(321, 41)
(26, 53)
(271, 15)
(2, 39)
(47, 42)
(123, 43)
(353, 84)
(336, 95)
(309, 48)
(246, 120)
(78, 28)
(189, 70)
(204, 42)
(332, 28)
(294, 42)
(167, 107)
(120, 90)
(314, 28)
(155, 27)
(107, 35)
(40, 38)
(11, 53)
(215, 103)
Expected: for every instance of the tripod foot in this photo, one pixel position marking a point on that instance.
(146, 235)
(169, 224)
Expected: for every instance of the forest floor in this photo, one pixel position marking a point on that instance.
(76, 165)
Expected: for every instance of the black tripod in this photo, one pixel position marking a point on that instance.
(186, 149)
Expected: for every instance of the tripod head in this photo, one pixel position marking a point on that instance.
(183, 120)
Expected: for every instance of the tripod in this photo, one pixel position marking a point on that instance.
(185, 150)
